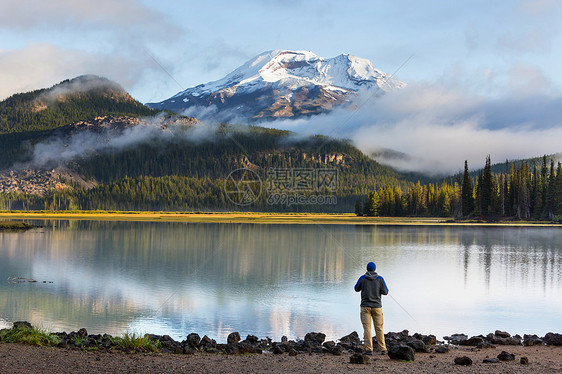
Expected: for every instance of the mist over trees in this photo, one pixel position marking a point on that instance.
(181, 175)
(184, 176)
(27, 118)
(39, 110)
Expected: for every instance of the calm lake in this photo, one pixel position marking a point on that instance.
(275, 280)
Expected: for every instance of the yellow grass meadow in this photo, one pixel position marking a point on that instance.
(254, 217)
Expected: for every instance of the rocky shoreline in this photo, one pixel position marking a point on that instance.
(401, 345)
(420, 354)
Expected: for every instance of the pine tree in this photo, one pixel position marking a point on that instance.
(558, 193)
(544, 188)
(523, 199)
(368, 205)
(536, 196)
(478, 203)
(551, 193)
(372, 205)
(467, 193)
(487, 189)
(358, 207)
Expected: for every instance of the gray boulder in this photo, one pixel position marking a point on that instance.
(207, 342)
(278, 349)
(352, 338)
(426, 339)
(553, 339)
(505, 356)
(193, 340)
(485, 344)
(316, 338)
(464, 360)
(337, 350)
(473, 341)
(358, 358)
(502, 334)
(456, 338)
(503, 338)
(233, 337)
(530, 340)
(82, 333)
(401, 352)
(22, 325)
(442, 349)
(417, 345)
(252, 339)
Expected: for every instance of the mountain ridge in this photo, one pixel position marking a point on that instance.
(81, 98)
(27, 117)
(282, 84)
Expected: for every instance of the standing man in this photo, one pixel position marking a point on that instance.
(372, 286)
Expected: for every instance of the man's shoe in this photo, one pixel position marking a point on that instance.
(368, 353)
(384, 352)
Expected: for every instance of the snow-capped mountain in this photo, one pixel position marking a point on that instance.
(281, 84)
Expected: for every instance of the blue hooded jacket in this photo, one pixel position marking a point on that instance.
(372, 286)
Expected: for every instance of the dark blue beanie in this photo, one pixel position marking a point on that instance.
(371, 266)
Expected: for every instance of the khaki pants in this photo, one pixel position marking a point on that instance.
(376, 314)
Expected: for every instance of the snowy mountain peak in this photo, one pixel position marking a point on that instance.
(279, 81)
(302, 68)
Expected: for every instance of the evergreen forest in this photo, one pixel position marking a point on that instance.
(525, 190)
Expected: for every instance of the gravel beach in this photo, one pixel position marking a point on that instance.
(21, 359)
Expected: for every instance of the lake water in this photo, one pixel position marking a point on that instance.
(275, 280)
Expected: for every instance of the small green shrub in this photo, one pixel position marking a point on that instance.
(134, 342)
(33, 336)
(77, 340)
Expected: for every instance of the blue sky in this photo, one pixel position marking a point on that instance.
(486, 44)
(483, 77)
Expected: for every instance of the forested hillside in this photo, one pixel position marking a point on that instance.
(500, 167)
(81, 98)
(183, 174)
(28, 117)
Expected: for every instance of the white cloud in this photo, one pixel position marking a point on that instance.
(42, 65)
(438, 148)
(525, 79)
(529, 30)
(439, 126)
(534, 40)
(59, 39)
(62, 149)
(80, 15)
(540, 7)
